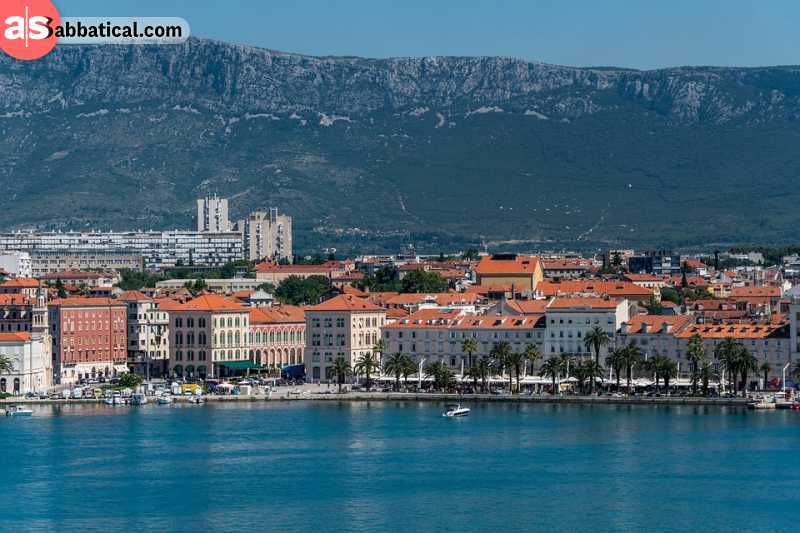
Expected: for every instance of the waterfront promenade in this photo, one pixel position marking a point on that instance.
(312, 393)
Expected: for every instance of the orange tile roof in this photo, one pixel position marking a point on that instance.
(22, 283)
(15, 299)
(133, 296)
(279, 314)
(345, 302)
(168, 304)
(736, 331)
(76, 274)
(349, 289)
(527, 307)
(611, 288)
(565, 264)
(655, 322)
(19, 336)
(590, 303)
(454, 319)
(764, 292)
(521, 264)
(324, 268)
(213, 302)
(642, 277)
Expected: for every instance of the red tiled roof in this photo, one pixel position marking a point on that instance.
(736, 331)
(79, 301)
(527, 307)
(655, 322)
(133, 296)
(15, 299)
(521, 264)
(76, 274)
(345, 302)
(22, 283)
(19, 336)
(212, 302)
(611, 288)
(279, 314)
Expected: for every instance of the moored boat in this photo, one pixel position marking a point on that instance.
(164, 400)
(14, 410)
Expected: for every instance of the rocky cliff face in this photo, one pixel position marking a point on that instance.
(382, 151)
(227, 78)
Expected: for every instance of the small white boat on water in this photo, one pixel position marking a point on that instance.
(164, 400)
(114, 399)
(455, 409)
(14, 410)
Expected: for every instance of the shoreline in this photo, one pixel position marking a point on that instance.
(423, 397)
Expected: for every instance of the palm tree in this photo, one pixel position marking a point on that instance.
(766, 368)
(616, 360)
(379, 348)
(579, 373)
(727, 352)
(595, 339)
(394, 365)
(592, 371)
(747, 363)
(668, 369)
(552, 368)
(532, 354)
(366, 365)
(514, 361)
(474, 374)
(484, 368)
(469, 346)
(6, 365)
(696, 354)
(409, 367)
(499, 353)
(633, 358)
(706, 375)
(341, 369)
(443, 377)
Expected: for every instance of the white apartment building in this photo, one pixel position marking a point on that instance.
(30, 361)
(266, 235)
(158, 249)
(17, 264)
(344, 326)
(568, 320)
(212, 215)
(431, 335)
(148, 335)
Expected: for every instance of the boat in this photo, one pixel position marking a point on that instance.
(14, 410)
(114, 399)
(455, 409)
(164, 400)
(138, 399)
(761, 402)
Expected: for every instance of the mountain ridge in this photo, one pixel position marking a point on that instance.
(373, 153)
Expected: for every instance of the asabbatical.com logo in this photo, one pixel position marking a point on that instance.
(27, 28)
(30, 29)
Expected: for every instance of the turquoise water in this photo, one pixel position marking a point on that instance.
(301, 466)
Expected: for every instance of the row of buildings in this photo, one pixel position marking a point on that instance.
(523, 300)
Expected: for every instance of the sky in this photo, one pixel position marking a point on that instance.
(634, 33)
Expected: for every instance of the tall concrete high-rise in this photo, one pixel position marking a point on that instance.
(212, 214)
(266, 235)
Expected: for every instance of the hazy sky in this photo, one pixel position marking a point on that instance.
(632, 33)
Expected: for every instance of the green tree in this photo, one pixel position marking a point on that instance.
(633, 358)
(130, 380)
(552, 368)
(592, 372)
(443, 378)
(616, 360)
(654, 307)
(483, 369)
(62, 291)
(532, 354)
(696, 354)
(471, 254)
(295, 290)
(499, 353)
(395, 365)
(6, 365)
(469, 346)
(514, 361)
(269, 288)
(385, 279)
(595, 339)
(409, 368)
(727, 353)
(747, 364)
(766, 368)
(422, 281)
(341, 369)
(706, 373)
(366, 365)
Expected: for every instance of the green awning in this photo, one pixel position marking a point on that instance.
(241, 365)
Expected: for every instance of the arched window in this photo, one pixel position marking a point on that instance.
(238, 338)
(230, 338)
(2, 384)
(178, 338)
(201, 338)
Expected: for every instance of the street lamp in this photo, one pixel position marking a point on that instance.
(419, 374)
(783, 372)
